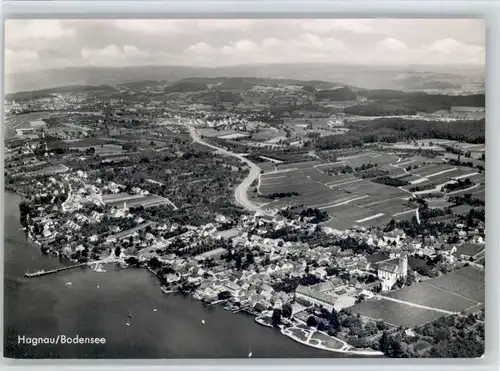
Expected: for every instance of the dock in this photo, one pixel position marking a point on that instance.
(52, 271)
(89, 264)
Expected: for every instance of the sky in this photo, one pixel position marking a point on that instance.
(44, 44)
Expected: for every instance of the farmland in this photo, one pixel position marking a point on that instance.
(358, 201)
(428, 295)
(46, 170)
(396, 314)
(469, 249)
(468, 282)
(119, 199)
(79, 143)
(425, 301)
(344, 190)
(23, 120)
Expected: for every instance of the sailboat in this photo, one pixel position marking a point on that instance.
(129, 318)
(249, 352)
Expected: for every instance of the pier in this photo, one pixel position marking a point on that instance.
(52, 271)
(89, 264)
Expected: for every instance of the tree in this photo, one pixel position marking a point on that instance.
(223, 295)
(381, 325)
(384, 343)
(237, 259)
(312, 322)
(370, 328)
(321, 326)
(334, 320)
(132, 260)
(154, 262)
(286, 310)
(276, 317)
(410, 278)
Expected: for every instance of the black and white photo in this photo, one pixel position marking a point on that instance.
(244, 188)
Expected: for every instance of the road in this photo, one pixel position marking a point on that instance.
(241, 192)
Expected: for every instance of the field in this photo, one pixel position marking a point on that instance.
(265, 135)
(431, 177)
(78, 143)
(348, 200)
(458, 291)
(233, 136)
(432, 170)
(396, 314)
(469, 249)
(428, 295)
(119, 199)
(23, 120)
(300, 127)
(351, 200)
(54, 169)
(212, 133)
(468, 282)
(477, 191)
(107, 149)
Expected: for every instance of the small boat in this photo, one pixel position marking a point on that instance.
(97, 286)
(203, 321)
(68, 283)
(127, 323)
(98, 268)
(250, 355)
(155, 310)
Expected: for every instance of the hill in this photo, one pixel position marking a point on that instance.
(35, 94)
(370, 77)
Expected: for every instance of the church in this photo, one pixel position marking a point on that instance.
(393, 268)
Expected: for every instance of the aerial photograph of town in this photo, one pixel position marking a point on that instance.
(244, 188)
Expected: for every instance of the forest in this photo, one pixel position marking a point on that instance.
(392, 130)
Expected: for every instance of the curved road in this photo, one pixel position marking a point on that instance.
(241, 192)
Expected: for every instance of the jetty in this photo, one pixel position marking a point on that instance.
(42, 272)
(52, 271)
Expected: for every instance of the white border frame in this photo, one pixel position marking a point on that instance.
(489, 10)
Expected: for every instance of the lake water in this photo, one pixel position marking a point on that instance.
(98, 305)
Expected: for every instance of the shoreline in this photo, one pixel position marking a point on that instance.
(347, 349)
(165, 290)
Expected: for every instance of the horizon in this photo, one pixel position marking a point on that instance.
(456, 66)
(39, 45)
(165, 72)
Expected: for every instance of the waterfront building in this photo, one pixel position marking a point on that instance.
(315, 297)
